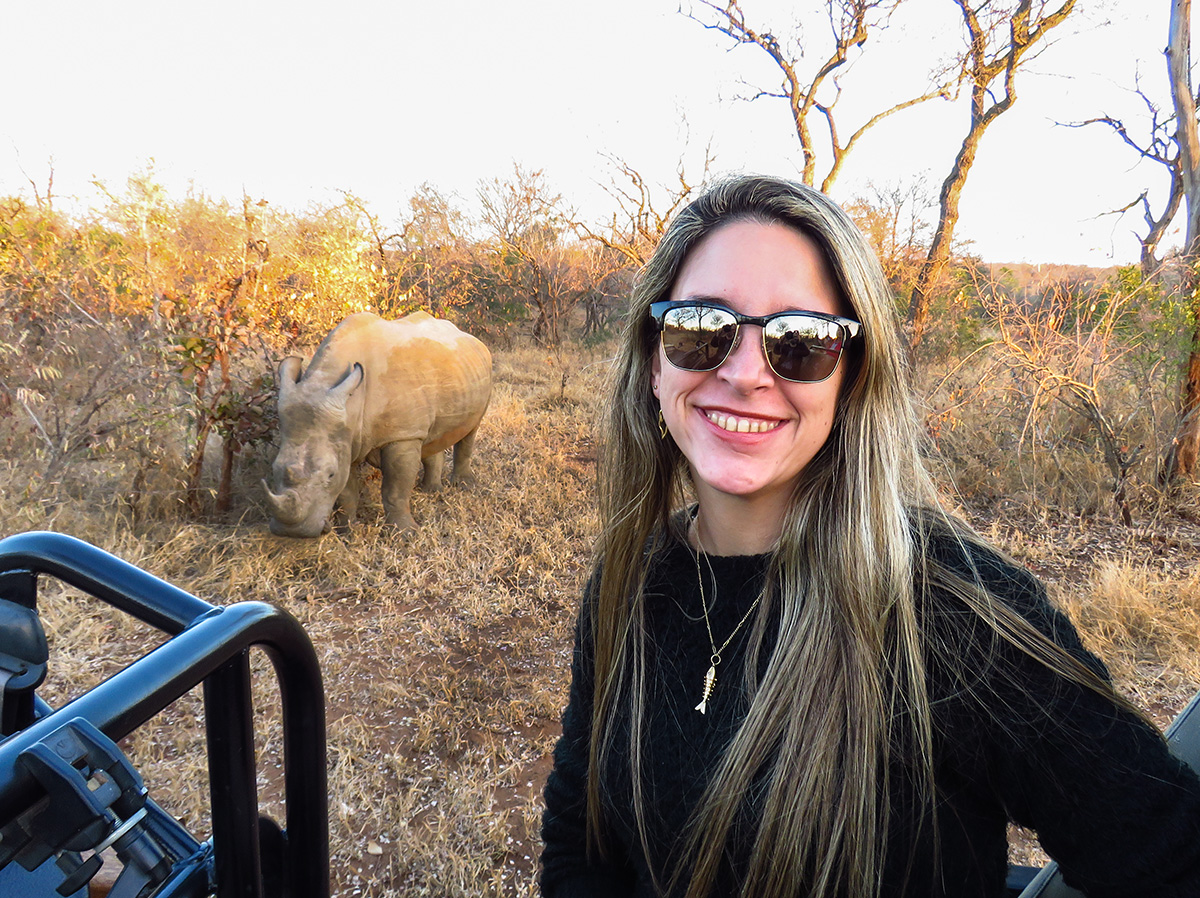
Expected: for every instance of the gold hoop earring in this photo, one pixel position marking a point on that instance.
(662, 425)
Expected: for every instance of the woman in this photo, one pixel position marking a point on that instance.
(794, 675)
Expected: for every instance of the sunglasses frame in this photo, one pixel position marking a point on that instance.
(659, 310)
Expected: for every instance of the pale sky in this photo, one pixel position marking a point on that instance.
(294, 102)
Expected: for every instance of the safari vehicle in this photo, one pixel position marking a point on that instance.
(69, 797)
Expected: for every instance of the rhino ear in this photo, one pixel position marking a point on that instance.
(289, 372)
(340, 392)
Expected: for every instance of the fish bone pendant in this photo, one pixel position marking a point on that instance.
(710, 680)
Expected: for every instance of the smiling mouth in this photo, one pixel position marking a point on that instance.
(734, 424)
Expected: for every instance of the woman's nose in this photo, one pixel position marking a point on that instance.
(746, 366)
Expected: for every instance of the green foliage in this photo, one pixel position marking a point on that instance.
(246, 415)
(1169, 323)
(958, 322)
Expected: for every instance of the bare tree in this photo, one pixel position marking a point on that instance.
(1185, 447)
(999, 38)
(1157, 146)
(533, 264)
(896, 219)
(438, 263)
(817, 91)
(627, 239)
(643, 208)
(43, 202)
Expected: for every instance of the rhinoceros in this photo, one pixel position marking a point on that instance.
(392, 393)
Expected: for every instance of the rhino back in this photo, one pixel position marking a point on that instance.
(424, 379)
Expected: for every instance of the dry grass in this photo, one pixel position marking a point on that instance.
(446, 655)
(1145, 623)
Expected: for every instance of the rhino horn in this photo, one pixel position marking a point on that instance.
(339, 394)
(282, 505)
(289, 373)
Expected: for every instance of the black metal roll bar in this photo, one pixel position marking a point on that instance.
(209, 645)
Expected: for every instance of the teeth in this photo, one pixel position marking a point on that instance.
(739, 425)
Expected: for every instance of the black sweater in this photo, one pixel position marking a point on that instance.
(1012, 741)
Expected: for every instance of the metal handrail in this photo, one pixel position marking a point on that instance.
(209, 645)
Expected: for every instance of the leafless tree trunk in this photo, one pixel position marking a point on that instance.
(851, 23)
(1182, 455)
(984, 64)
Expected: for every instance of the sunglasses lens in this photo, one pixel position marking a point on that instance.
(697, 338)
(802, 348)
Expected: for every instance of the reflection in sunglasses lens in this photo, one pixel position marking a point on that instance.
(802, 348)
(698, 338)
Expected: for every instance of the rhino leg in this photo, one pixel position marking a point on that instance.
(463, 450)
(399, 462)
(346, 507)
(431, 480)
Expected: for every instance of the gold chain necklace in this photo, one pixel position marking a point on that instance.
(710, 678)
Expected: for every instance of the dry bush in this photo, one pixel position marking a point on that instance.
(1062, 405)
(984, 440)
(73, 377)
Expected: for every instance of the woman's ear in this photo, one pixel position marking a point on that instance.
(655, 372)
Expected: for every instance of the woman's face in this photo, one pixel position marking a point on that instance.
(745, 431)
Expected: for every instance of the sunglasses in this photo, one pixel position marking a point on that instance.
(803, 347)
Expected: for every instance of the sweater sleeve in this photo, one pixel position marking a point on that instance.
(1098, 785)
(567, 869)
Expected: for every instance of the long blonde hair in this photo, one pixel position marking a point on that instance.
(848, 662)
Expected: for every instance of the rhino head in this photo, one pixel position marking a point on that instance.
(315, 450)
